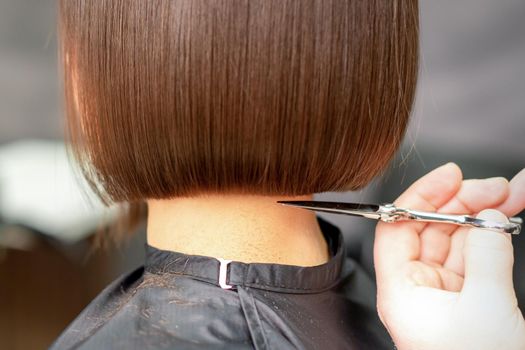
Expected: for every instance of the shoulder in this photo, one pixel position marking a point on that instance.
(144, 310)
(359, 290)
(99, 310)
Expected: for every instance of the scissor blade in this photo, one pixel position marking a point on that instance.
(357, 209)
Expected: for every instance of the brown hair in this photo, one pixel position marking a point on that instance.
(171, 98)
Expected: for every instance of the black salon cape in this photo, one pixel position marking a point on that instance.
(175, 302)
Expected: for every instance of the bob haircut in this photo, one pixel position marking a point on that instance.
(168, 98)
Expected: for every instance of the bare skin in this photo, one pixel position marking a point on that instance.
(245, 228)
(442, 286)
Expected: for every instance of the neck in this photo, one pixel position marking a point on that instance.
(246, 228)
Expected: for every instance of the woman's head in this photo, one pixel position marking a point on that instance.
(171, 98)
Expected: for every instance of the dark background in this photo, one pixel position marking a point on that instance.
(470, 109)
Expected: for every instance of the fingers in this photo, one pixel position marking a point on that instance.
(396, 243)
(488, 260)
(454, 261)
(513, 204)
(432, 190)
(476, 194)
(516, 199)
(473, 196)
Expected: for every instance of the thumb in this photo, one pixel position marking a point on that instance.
(488, 257)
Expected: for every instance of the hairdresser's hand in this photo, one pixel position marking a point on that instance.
(442, 286)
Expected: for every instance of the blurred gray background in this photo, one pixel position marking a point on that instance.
(470, 109)
(29, 95)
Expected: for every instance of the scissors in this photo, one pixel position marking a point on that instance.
(388, 212)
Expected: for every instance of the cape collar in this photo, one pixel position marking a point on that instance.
(267, 276)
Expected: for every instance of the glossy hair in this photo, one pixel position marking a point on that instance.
(168, 98)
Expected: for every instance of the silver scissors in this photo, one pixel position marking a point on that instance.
(388, 212)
